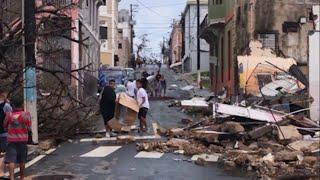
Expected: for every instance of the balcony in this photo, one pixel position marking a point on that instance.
(209, 28)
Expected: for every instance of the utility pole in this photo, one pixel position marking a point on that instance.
(198, 43)
(132, 58)
(28, 41)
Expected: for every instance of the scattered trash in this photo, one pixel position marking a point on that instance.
(187, 88)
(195, 102)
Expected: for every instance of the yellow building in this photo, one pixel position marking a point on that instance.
(108, 21)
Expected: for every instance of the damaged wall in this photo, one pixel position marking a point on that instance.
(270, 17)
(254, 70)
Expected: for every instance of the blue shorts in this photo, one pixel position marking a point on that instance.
(17, 152)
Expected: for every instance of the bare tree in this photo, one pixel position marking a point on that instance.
(60, 111)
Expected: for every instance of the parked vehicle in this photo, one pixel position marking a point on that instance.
(130, 74)
(115, 73)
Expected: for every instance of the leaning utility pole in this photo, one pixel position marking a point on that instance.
(28, 52)
(198, 43)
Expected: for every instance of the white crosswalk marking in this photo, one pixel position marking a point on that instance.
(101, 151)
(149, 155)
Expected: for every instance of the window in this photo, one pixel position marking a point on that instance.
(238, 15)
(103, 32)
(217, 2)
(120, 31)
(120, 46)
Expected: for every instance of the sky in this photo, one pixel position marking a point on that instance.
(154, 17)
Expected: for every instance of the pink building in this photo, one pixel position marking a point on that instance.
(73, 40)
(175, 44)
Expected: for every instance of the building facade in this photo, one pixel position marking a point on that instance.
(175, 43)
(108, 25)
(75, 49)
(89, 48)
(190, 38)
(231, 25)
(124, 38)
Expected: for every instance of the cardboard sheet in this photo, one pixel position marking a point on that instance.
(128, 102)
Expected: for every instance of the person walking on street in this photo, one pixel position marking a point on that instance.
(163, 86)
(143, 102)
(18, 125)
(5, 108)
(108, 105)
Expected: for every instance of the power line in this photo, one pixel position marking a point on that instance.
(151, 9)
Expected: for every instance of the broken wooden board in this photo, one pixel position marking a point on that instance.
(211, 132)
(305, 145)
(207, 157)
(195, 102)
(260, 131)
(289, 132)
(303, 122)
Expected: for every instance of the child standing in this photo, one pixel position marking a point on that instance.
(143, 102)
(18, 124)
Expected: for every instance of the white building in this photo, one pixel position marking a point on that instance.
(190, 38)
(124, 37)
(314, 70)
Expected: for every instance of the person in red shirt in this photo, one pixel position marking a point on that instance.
(17, 124)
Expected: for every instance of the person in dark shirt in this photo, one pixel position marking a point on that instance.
(108, 105)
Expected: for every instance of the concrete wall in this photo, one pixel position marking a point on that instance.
(314, 74)
(293, 44)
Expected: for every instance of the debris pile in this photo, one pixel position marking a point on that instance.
(272, 145)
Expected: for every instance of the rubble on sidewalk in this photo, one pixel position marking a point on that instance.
(265, 131)
(271, 144)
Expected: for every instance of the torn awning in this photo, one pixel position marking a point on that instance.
(254, 114)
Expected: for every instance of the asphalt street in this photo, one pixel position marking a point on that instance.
(107, 161)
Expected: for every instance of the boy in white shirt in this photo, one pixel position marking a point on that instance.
(130, 88)
(143, 102)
